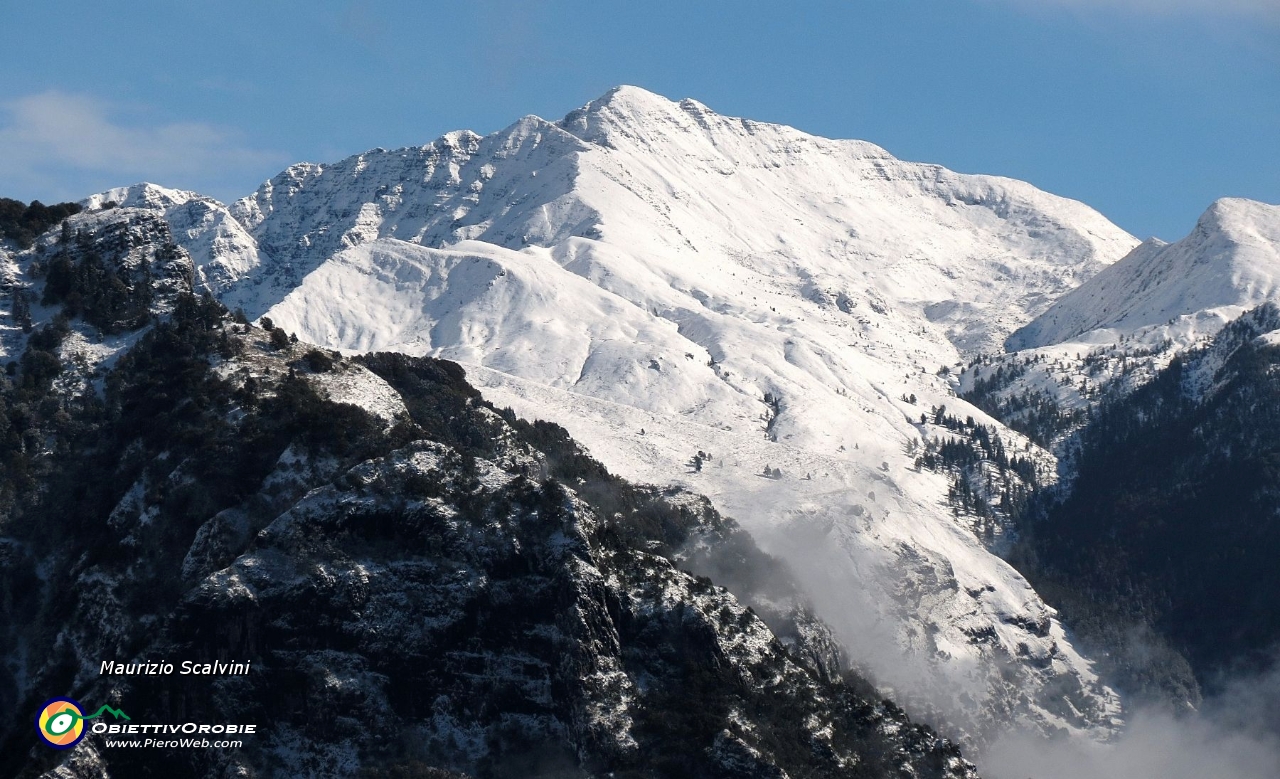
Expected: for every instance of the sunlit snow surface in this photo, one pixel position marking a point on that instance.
(1228, 264)
(1120, 327)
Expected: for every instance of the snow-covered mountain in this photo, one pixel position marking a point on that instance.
(665, 281)
(1117, 330)
(1228, 264)
(692, 194)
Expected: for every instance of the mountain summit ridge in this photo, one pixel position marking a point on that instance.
(623, 108)
(482, 187)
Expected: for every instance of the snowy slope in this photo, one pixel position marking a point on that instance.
(1121, 327)
(1228, 264)
(661, 280)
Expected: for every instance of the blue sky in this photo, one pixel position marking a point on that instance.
(1146, 109)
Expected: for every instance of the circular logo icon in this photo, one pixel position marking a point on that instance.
(61, 723)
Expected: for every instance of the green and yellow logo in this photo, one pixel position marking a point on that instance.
(61, 721)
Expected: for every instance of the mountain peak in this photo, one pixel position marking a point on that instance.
(628, 116)
(1230, 262)
(1241, 219)
(144, 194)
(622, 109)
(630, 98)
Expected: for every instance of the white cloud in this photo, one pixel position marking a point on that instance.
(1234, 735)
(54, 141)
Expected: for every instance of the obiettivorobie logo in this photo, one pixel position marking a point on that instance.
(61, 721)
(61, 724)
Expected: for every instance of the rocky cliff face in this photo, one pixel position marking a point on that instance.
(424, 586)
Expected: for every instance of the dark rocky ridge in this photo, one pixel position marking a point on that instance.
(1161, 550)
(432, 586)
